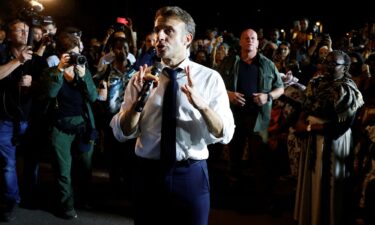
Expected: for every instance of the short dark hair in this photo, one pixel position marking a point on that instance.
(66, 42)
(73, 30)
(120, 41)
(11, 23)
(175, 11)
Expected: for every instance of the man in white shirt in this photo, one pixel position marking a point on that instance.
(180, 195)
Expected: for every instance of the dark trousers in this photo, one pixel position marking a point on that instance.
(259, 156)
(35, 147)
(180, 197)
(63, 151)
(9, 180)
(120, 159)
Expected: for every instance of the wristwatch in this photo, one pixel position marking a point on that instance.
(269, 97)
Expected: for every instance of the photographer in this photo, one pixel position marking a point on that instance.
(20, 70)
(71, 89)
(50, 31)
(53, 60)
(40, 40)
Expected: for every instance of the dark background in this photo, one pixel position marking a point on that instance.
(94, 17)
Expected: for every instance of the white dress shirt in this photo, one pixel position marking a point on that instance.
(192, 135)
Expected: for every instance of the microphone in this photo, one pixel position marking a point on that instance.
(145, 92)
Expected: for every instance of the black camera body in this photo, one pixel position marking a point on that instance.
(48, 38)
(118, 27)
(31, 12)
(77, 59)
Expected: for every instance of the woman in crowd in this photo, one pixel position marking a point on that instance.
(332, 100)
(72, 88)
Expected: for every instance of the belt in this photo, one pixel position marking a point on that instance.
(155, 162)
(186, 162)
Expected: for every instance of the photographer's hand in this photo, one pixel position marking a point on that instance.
(41, 50)
(25, 81)
(80, 70)
(64, 62)
(26, 54)
(46, 39)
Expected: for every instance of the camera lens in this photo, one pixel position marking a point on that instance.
(77, 59)
(81, 60)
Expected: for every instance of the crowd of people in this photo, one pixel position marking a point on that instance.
(298, 107)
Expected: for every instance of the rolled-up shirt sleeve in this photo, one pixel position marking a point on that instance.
(220, 104)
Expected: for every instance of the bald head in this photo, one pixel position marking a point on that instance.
(249, 40)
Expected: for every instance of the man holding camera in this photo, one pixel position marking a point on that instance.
(71, 89)
(19, 73)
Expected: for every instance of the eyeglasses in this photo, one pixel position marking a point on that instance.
(20, 31)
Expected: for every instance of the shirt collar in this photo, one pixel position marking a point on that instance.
(182, 65)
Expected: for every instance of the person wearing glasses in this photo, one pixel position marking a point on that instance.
(20, 71)
(324, 189)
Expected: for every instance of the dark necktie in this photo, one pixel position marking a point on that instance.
(168, 129)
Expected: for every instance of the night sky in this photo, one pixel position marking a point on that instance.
(95, 18)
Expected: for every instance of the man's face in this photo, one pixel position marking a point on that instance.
(19, 33)
(151, 40)
(37, 34)
(50, 29)
(120, 52)
(172, 38)
(249, 40)
(334, 66)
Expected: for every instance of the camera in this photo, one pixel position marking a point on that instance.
(31, 12)
(118, 27)
(77, 59)
(48, 38)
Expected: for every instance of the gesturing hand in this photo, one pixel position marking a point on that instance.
(194, 98)
(144, 75)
